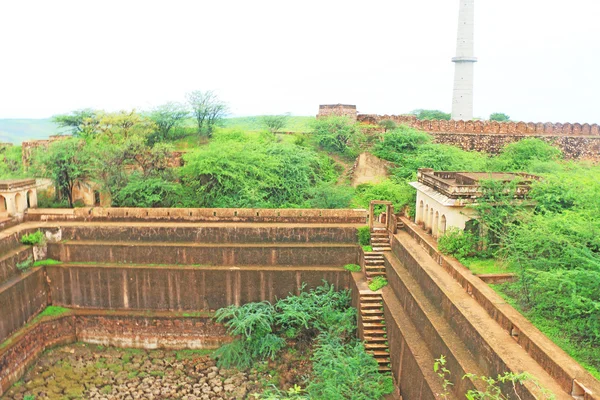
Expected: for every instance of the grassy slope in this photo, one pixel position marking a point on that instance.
(295, 124)
(17, 130)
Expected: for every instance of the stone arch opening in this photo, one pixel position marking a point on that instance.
(30, 199)
(420, 213)
(443, 225)
(436, 224)
(426, 216)
(19, 203)
(431, 220)
(3, 207)
(96, 198)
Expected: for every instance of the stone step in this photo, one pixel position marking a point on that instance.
(370, 306)
(374, 332)
(380, 353)
(384, 369)
(370, 296)
(373, 253)
(377, 302)
(379, 261)
(372, 312)
(377, 347)
(375, 268)
(373, 325)
(373, 319)
(374, 258)
(375, 339)
(383, 248)
(376, 274)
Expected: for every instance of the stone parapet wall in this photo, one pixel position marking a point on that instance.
(491, 127)
(180, 288)
(340, 216)
(562, 368)
(159, 330)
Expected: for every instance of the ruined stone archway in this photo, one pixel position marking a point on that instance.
(19, 206)
(436, 225)
(3, 207)
(443, 225)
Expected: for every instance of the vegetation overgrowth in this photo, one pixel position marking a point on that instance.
(318, 325)
(553, 244)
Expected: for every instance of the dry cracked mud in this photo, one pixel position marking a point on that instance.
(83, 371)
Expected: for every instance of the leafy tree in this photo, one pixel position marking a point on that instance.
(388, 125)
(521, 155)
(337, 134)
(80, 122)
(143, 191)
(431, 114)
(11, 162)
(207, 109)
(167, 117)
(66, 162)
(500, 117)
(117, 128)
(275, 123)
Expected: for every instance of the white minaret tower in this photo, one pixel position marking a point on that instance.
(462, 101)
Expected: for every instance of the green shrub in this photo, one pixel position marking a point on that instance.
(458, 243)
(329, 195)
(519, 156)
(352, 268)
(364, 236)
(344, 370)
(377, 283)
(367, 248)
(25, 265)
(338, 135)
(33, 239)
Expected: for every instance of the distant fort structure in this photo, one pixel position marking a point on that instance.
(576, 141)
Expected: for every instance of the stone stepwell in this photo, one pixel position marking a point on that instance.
(132, 279)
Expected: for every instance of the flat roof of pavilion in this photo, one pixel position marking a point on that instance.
(7, 185)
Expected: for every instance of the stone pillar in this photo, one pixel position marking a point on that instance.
(462, 101)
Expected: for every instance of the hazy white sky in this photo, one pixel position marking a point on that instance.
(539, 60)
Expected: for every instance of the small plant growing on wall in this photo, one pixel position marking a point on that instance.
(24, 266)
(364, 236)
(33, 239)
(352, 267)
(377, 283)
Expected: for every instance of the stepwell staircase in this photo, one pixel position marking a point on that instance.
(371, 303)
(374, 261)
(374, 332)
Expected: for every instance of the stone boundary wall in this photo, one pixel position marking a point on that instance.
(338, 110)
(571, 376)
(576, 141)
(180, 288)
(491, 127)
(164, 330)
(323, 216)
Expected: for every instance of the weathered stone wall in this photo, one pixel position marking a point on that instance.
(187, 254)
(338, 110)
(180, 288)
(20, 300)
(100, 327)
(577, 141)
(212, 233)
(255, 215)
(8, 262)
(24, 348)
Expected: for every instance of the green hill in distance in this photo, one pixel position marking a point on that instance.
(18, 130)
